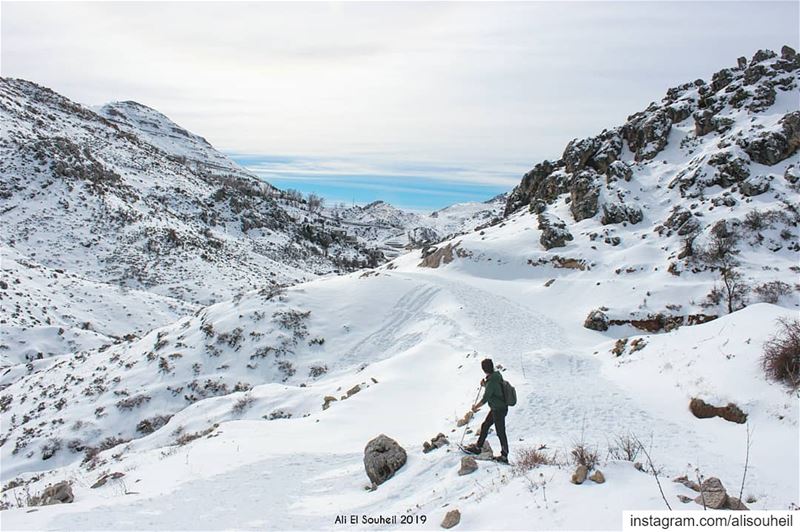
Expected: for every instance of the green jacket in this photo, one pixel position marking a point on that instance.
(494, 392)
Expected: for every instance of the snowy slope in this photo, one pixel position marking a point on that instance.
(47, 312)
(234, 402)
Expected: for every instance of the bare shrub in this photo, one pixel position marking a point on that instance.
(317, 371)
(772, 291)
(781, 357)
(624, 447)
(244, 403)
(529, 458)
(585, 455)
(129, 403)
(187, 437)
(233, 338)
(150, 425)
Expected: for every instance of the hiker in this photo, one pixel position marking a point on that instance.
(497, 410)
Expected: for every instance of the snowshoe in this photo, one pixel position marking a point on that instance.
(470, 449)
(501, 459)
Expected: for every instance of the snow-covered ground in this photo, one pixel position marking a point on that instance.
(423, 340)
(253, 413)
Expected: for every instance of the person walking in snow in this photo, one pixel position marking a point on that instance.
(493, 382)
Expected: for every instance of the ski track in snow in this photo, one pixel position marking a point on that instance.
(387, 340)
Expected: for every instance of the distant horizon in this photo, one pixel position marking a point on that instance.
(415, 188)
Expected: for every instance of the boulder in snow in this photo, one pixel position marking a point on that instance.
(468, 465)
(598, 477)
(60, 493)
(382, 458)
(451, 519)
(754, 186)
(712, 494)
(439, 441)
(554, 232)
(730, 412)
(597, 320)
(579, 476)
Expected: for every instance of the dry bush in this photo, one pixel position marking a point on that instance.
(772, 291)
(625, 447)
(584, 455)
(244, 403)
(529, 458)
(781, 357)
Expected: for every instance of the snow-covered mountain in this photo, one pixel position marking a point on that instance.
(124, 199)
(396, 231)
(605, 293)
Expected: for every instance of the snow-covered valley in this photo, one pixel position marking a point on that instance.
(603, 285)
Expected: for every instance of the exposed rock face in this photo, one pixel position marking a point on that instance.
(755, 185)
(647, 132)
(730, 412)
(423, 236)
(584, 193)
(451, 519)
(617, 213)
(538, 184)
(619, 170)
(592, 168)
(554, 232)
(596, 320)
(443, 255)
(468, 465)
(579, 476)
(682, 221)
(382, 458)
(772, 147)
(730, 169)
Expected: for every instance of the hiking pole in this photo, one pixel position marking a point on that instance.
(466, 425)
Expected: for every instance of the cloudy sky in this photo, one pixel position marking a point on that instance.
(448, 96)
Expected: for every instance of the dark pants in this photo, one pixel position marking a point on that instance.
(498, 419)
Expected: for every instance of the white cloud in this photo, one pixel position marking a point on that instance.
(489, 84)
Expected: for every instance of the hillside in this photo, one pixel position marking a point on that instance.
(601, 292)
(130, 203)
(395, 231)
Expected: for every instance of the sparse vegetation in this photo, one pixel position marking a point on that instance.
(781, 357)
(583, 454)
(624, 447)
(528, 458)
(317, 371)
(129, 403)
(242, 404)
(772, 291)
